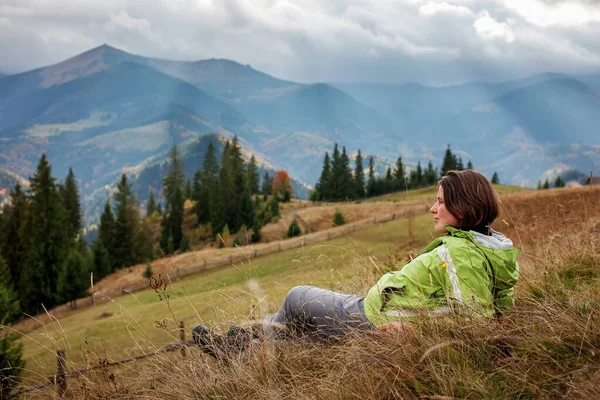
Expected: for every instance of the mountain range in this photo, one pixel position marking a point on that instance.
(105, 112)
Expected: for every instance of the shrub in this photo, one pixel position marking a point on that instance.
(148, 271)
(338, 219)
(294, 229)
(256, 231)
(184, 246)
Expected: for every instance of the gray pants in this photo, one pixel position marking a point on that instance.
(308, 310)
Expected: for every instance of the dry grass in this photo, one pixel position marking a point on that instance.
(547, 347)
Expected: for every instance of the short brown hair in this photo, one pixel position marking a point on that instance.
(471, 198)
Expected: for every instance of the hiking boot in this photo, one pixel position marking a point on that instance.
(222, 347)
(208, 341)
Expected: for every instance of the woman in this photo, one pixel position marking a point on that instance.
(472, 269)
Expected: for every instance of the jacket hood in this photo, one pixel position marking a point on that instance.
(500, 253)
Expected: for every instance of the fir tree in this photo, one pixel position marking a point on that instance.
(11, 363)
(399, 175)
(371, 180)
(469, 165)
(203, 181)
(495, 179)
(253, 176)
(246, 212)
(106, 235)
(449, 163)
(159, 209)
(101, 265)
(459, 164)
(359, 177)
(324, 184)
(151, 204)
(173, 190)
(72, 282)
(188, 192)
(430, 174)
(13, 243)
(266, 184)
(546, 184)
(559, 183)
(72, 204)
(539, 185)
(125, 225)
(347, 185)
(337, 172)
(48, 234)
(217, 210)
(10, 308)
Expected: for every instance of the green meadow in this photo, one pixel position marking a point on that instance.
(146, 320)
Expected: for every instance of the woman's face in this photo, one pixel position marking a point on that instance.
(441, 215)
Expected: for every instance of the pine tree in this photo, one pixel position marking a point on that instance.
(559, 183)
(246, 207)
(217, 209)
(449, 163)
(495, 179)
(337, 172)
(151, 204)
(203, 181)
(430, 174)
(72, 204)
(101, 265)
(266, 184)
(72, 282)
(469, 165)
(348, 187)
(253, 176)
(324, 184)
(539, 185)
(10, 308)
(188, 192)
(11, 363)
(48, 234)
(159, 209)
(13, 242)
(546, 184)
(125, 225)
(399, 175)
(239, 175)
(106, 235)
(173, 189)
(388, 183)
(371, 180)
(359, 177)
(459, 164)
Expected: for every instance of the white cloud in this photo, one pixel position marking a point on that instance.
(558, 13)
(122, 20)
(488, 28)
(432, 8)
(429, 41)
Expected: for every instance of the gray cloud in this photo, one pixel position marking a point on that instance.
(434, 42)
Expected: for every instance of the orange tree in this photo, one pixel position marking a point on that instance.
(282, 186)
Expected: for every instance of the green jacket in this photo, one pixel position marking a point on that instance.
(462, 270)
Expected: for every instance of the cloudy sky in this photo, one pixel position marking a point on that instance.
(427, 41)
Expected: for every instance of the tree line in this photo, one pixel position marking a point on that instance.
(338, 182)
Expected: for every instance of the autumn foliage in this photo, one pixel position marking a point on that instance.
(282, 186)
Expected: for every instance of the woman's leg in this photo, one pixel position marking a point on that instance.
(308, 310)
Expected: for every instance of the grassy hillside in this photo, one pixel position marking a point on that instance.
(549, 346)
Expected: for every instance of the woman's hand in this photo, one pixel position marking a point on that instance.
(396, 329)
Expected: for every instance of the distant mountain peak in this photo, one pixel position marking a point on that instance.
(87, 63)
